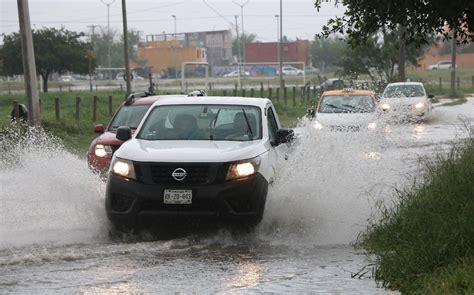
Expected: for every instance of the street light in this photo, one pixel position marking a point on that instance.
(176, 43)
(243, 31)
(108, 3)
(280, 59)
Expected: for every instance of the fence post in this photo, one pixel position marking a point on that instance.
(252, 92)
(459, 83)
(285, 95)
(56, 107)
(314, 91)
(60, 88)
(440, 83)
(110, 105)
(243, 92)
(278, 94)
(121, 87)
(78, 107)
(224, 92)
(40, 105)
(472, 81)
(308, 92)
(94, 108)
(69, 88)
(235, 92)
(270, 90)
(16, 107)
(261, 88)
(96, 88)
(302, 94)
(294, 96)
(10, 89)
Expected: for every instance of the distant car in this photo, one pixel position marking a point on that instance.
(442, 65)
(331, 84)
(290, 71)
(406, 99)
(120, 77)
(345, 110)
(66, 78)
(236, 74)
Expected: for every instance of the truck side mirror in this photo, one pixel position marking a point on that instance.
(430, 96)
(311, 112)
(124, 133)
(99, 128)
(284, 135)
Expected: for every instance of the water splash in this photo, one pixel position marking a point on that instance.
(48, 195)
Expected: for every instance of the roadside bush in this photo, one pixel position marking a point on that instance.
(430, 228)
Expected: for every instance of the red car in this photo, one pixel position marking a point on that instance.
(130, 113)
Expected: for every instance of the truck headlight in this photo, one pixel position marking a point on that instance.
(102, 150)
(385, 106)
(372, 125)
(420, 105)
(123, 168)
(317, 125)
(243, 168)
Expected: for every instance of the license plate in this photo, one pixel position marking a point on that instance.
(174, 196)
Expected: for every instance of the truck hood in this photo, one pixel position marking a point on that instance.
(190, 151)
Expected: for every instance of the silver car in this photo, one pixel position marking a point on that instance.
(406, 99)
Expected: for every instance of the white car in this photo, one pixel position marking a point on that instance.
(236, 74)
(290, 71)
(442, 65)
(406, 99)
(345, 110)
(194, 159)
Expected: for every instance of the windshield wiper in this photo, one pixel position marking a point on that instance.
(248, 124)
(213, 124)
(335, 107)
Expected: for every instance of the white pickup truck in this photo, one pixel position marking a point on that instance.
(196, 159)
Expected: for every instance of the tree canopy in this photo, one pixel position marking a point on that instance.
(420, 18)
(56, 51)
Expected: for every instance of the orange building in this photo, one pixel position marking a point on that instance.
(161, 55)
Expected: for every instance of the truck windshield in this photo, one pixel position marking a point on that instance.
(346, 104)
(129, 116)
(202, 122)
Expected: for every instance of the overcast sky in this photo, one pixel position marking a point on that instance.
(300, 19)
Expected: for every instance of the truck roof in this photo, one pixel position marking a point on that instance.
(230, 100)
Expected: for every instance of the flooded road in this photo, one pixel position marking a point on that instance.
(54, 233)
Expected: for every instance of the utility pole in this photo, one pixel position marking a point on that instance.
(29, 66)
(243, 30)
(125, 47)
(238, 51)
(281, 50)
(90, 56)
(401, 54)
(175, 51)
(453, 64)
(277, 17)
(108, 35)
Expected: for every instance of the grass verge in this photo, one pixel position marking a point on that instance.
(425, 243)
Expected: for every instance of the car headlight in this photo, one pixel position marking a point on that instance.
(385, 106)
(243, 168)
(123, 168)
(372, 125)
(102, 150)
(317, 125)
(420, 105)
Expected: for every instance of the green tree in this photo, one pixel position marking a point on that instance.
(243, 39)
(56, 51)
(102, 41)
(326, 52)
(417, 19)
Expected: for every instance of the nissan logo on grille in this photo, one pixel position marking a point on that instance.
(179, 174)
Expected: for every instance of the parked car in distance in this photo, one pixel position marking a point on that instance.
(311, 71)
(290, 71)
(345, 110)
(236, 74)
(407, 99)
(195, 160)
(66, 78)
(442, 65)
